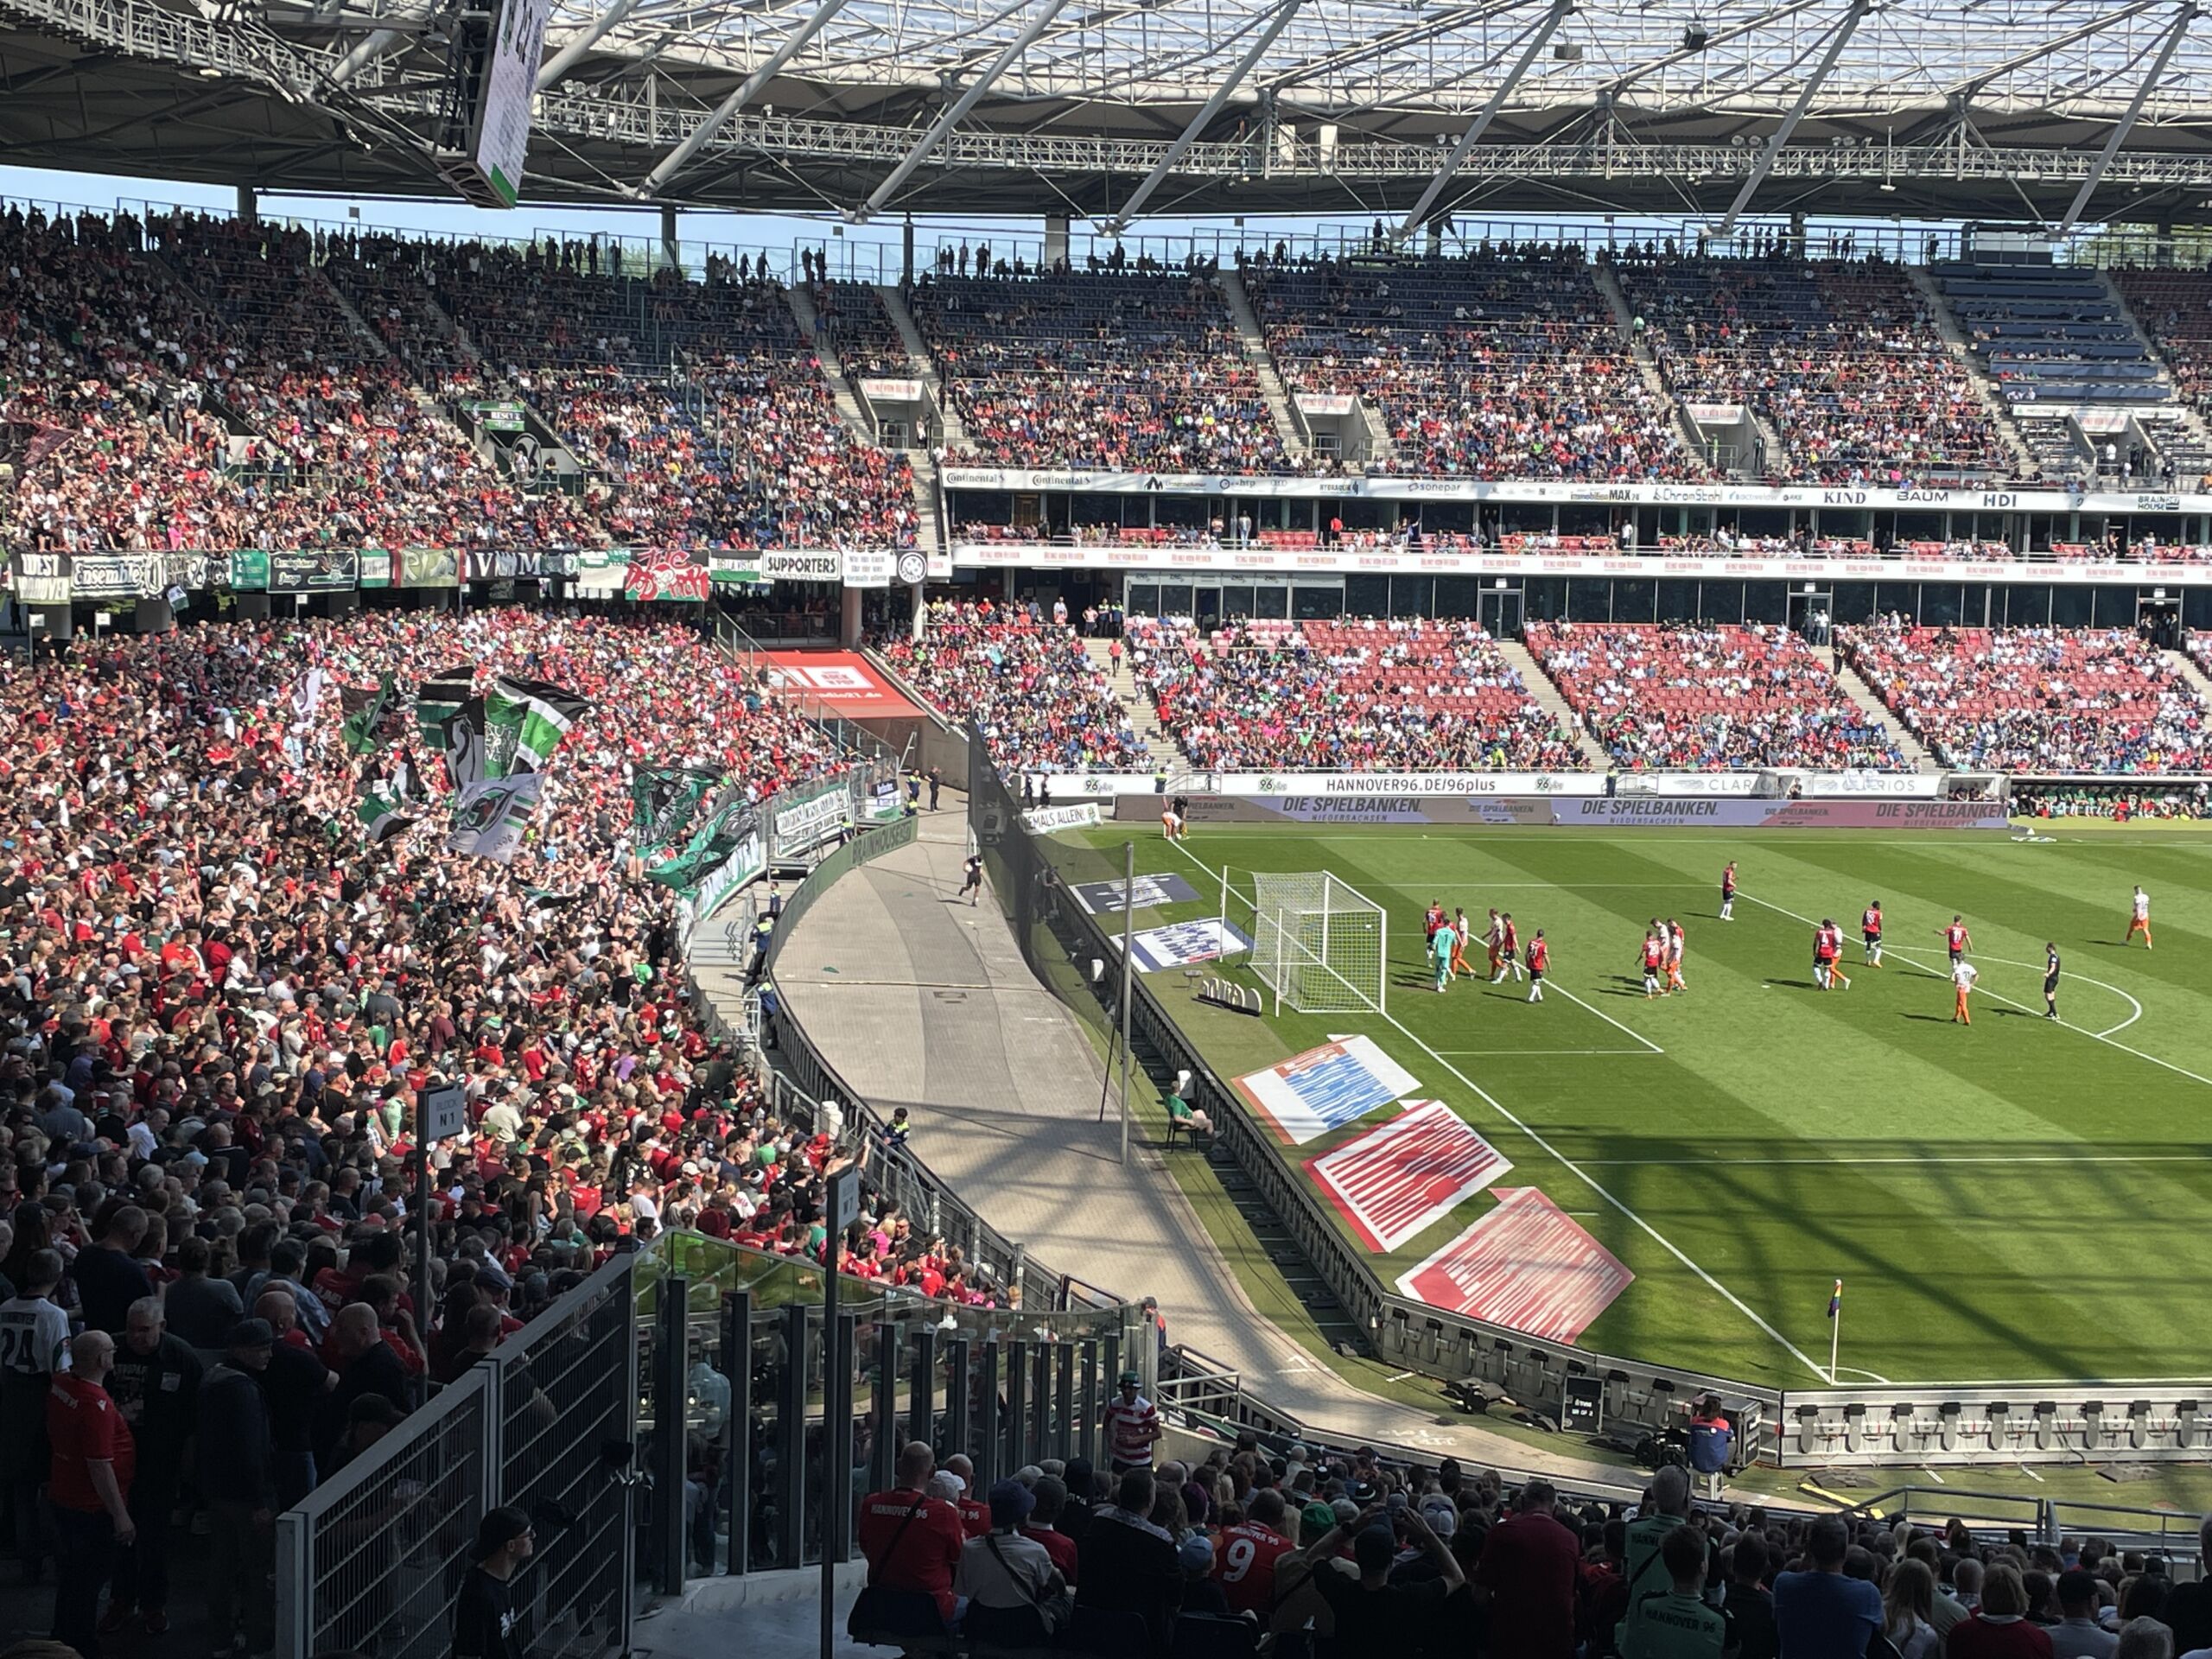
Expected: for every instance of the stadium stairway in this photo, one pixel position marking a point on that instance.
(841, 390)
(2186, 665)
(1550, 698)
(918, 355)
(1954, 341)
(1869, 702)
(917, 1000)
(1609, 284)
(1287, 426)
(1159, 747)
(2177, 429)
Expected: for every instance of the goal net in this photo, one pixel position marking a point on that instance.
(1318, 943)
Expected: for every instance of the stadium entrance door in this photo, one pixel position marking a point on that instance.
(1812, 613)
(1501, 612)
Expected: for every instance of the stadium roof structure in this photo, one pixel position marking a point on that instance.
(1111, 110)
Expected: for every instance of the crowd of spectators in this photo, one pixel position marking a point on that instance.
(1329, 1555)
(1682, 697)
(2036, 699)
(1359, 694)
(217, 997)
(1840, 357)
(1043, 705)
(1508, 363)
(192, 382)
(1105, 370)
(2121, 803)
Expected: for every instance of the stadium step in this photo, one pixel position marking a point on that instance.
(1288, 427)
(1549, 697)
(955, 437)
(1870, 703)
(1954, 341)
(2186, 665)
(1296, 1269)
(801, 302)
(1158, 745)
(1609, 284)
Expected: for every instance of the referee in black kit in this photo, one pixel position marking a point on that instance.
(2049, 980)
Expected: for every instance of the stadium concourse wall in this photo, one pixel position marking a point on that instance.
(1959, 1423)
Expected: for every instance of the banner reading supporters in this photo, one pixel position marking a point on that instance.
(1393, 1183)
(1326, 1088)
(1527, 1265)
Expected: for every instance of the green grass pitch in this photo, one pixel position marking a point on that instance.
(2013, 1202)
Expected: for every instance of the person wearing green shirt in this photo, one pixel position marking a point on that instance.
(1675, 1623)
(1179, 1111)
(1670, 1502)
(1440, 944)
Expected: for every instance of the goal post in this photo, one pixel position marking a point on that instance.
(1318, 944)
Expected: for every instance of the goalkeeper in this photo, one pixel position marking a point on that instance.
(1443, 945)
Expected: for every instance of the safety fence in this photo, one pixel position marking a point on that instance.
(372, 1561)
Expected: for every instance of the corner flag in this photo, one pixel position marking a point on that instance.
(1835, 1299)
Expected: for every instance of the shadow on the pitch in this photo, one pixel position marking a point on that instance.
(1794, 984)
(1930, 1018)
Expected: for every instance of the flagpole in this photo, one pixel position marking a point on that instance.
(1836, 1331)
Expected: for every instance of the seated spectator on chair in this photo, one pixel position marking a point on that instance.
(1043, 1524)
(2000, 1628)
(1129, 1564)
(1181, 1114)
(1015, 1596)
(912, 1540)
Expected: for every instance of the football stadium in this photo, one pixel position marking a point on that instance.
(1191, 829)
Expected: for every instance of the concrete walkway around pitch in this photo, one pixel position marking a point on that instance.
(919, 1000)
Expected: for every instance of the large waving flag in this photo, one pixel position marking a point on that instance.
(525, 722)
(383, 813)
(364, 714)
(662, 802)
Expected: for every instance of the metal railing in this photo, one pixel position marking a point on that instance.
(1994, 1517)
(372, 1560)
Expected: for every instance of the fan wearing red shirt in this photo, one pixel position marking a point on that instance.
(1529, 1564)
(1245, 1556)
(912, 1541)
(94, 1457)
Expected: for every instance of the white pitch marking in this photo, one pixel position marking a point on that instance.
(1608, 1018)
(1937, 1157)
(1872, 1376)
(1518, 1054)
(1568, 1164)
(2094, 1036)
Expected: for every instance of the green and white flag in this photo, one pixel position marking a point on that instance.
(437, 700)
(662, 802)
(382, 815)
(711, 843)
(365, 714)
(523, 722)
(492, 816)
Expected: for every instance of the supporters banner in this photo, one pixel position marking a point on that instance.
(733, 568)
(1326, 1088)
(1393, 1183)
(1180, 944)
(492, 816)
(314, 570)
(429, 566)
(887, 389)
(116, 575)
(504, 563)
(39, 578)
(869, 567)
(380, 566)
(1331, 403)
(675, 576)
(1146, 892)
(803, 564)
(844, 681)
(250, 570)
(1527, 1265)
(803, 821)
(748, 861)
(1047, 819)
(525, 722)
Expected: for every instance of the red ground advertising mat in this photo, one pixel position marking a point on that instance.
(1395, 1181)
(1526, 1265)
(843, 680)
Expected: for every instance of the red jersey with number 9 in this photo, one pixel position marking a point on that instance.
(1244, 1561)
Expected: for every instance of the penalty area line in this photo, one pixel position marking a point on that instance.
(1491, 1101)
